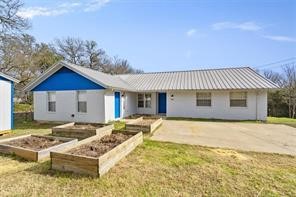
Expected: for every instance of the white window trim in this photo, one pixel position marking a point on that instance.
(77, 100)
(247, 100)
(47, 102)
(200, 106)
(144, 100)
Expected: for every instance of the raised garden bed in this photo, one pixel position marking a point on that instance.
(96, 155)
(81, 130)
(146, 125)
(35, 147)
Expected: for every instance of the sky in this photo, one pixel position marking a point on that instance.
(169, 35)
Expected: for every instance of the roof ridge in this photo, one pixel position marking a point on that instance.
(179, 71)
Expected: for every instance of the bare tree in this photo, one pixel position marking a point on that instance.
(10, 21)
(95, 57)
(289, 71)
(72, 49)
(274, 77)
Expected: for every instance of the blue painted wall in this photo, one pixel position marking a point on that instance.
(117, 104)
(66, 79)
(162, 103)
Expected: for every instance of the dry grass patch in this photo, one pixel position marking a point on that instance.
(160, 169)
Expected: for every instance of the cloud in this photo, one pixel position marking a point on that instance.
(280, 38)
(64, 8)
(95, 5)
(191, 32)
(245, 26)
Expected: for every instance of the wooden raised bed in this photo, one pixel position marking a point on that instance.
(81, 130)
(140, 125)
(94, 166)
(34, 154)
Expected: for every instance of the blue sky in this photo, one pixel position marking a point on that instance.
(160, 35)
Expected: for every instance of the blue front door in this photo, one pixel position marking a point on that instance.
(162, 103)
(117, 104)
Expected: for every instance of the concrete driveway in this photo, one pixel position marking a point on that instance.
(243, 136)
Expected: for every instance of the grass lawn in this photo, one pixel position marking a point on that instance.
(156, 169)
(287, 121)
(18, 107)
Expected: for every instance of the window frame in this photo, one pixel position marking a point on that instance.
(144, 100)
(78, 101)
(150, 99)
(245, 100)
(48, 102)
(203, 100)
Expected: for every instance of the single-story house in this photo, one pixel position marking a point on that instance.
(6, 101)
(67, 92)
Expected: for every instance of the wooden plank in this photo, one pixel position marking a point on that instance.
(94, 166)
(74, 163)
(81, 134)
(112, 157)
(27, 154)
(30, 154)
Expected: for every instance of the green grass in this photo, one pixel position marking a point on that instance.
(156, 169)
(18, 107)
(286, 121)
(118, 125)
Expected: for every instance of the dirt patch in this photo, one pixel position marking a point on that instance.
(100, 147)
(34, 142)
(230, 153)
(145, 122)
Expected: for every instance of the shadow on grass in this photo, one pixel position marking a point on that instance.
(44, 168)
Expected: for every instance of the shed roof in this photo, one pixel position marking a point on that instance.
(9, 78)
(208, 79)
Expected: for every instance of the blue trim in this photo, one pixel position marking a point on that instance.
(66, 79)
(12, 106)
(162, 103)
(4, 79)
(117, 104)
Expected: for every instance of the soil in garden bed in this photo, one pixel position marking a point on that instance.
(85, 126)
(34, 143)
(99, 147)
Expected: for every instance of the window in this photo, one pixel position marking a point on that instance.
(144, 100)
(203, 99)
(140, 100)
(82, 103)
(238, 99)
(51, 98)
(148, 100)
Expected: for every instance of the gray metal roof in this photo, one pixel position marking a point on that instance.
(9, 77)
(209, 79)
(106, 80)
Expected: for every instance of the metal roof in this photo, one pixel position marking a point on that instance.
(208, 79)
(9, 77)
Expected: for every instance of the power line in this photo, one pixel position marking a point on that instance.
(277, 62)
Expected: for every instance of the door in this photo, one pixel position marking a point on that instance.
(117, 104)
(162, 103)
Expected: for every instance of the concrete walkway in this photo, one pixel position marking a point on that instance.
(258, 137)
